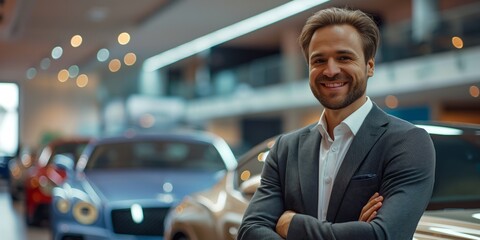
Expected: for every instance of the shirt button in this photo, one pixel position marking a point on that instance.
(328, 180)
(334, 149)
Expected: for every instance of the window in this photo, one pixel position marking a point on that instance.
(9, 120)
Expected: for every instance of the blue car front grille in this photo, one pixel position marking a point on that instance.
(151, 224)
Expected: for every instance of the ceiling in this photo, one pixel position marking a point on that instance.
(30, 29)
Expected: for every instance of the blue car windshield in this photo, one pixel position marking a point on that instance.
(156, 155)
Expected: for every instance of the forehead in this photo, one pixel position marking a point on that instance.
(336, 38)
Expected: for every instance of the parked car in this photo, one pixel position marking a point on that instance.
(18, 167)
(453, 213)
(42, 177)
(122, 187)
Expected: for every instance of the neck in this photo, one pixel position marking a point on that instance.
(335, 117)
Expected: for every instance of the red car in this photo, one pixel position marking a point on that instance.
(43, 176)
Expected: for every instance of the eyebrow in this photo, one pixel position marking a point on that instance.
(339, 52)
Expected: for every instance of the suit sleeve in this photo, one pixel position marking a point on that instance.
(266, 206)
(407, 186)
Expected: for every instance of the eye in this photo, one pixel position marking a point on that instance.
(318, 61)
(344, 58)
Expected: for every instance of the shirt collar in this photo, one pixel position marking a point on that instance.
(354, 121)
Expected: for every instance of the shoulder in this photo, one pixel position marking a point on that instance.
(294, 135)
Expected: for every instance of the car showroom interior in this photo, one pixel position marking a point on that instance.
(154, 119)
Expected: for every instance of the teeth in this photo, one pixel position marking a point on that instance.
(334, 84)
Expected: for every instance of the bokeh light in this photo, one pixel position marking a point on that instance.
(103, 54)
(147, 120)
(31, 73)
(245, 175)
(82, 80)
(474, 91)
(63, 75)
(123, 38)
(129, 59)
(73, 71)
(391, 101)
(114, 65)
(45, 63)
(76, 41)
(457, 42)
(57, 52)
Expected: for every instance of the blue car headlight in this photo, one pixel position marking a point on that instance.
(85, 212)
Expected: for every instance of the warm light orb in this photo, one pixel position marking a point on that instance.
(391, 101)
(245, 175)
(129, 59)
(457, 42)
(82, 80)
(63, 75)
(124, 38)
(474, 91)
(76, 41)
(114, 65)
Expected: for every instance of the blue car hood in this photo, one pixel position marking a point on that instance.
(138, 185)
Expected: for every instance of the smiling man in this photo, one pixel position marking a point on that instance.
(318, 181)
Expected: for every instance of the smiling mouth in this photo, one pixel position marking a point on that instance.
(333, 85)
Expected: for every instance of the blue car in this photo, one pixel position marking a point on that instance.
(122, 187)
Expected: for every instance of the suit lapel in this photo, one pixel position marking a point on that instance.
(308, 151)
(370, 131)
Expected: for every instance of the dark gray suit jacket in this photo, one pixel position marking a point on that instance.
(388, 155)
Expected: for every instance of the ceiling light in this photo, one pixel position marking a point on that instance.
(57, 52)
(82, 80)
(123, 38)
(31, 73)
(103, 54)
(76, 41)
(228, 33)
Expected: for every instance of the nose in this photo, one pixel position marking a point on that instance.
(331, 68)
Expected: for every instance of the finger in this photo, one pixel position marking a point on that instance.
(374, 214)
(372, 201)
(366, 215)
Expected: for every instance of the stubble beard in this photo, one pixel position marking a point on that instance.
(354, 93)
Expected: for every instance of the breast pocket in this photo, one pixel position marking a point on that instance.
(359, 190)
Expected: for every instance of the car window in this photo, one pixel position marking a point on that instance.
(156, 154)
(251, 167)
(457, 172)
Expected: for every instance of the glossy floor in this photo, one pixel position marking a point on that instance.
(12, 220)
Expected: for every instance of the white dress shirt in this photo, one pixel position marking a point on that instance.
(332, 152)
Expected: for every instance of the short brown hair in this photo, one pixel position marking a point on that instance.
(364, 24)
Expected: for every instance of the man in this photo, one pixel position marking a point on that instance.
(317, 179)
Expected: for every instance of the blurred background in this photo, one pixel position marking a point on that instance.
(100, 68)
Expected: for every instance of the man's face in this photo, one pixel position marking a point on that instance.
(338, 71)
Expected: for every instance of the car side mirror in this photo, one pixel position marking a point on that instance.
(250, 186)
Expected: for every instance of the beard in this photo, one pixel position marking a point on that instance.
(356, 90)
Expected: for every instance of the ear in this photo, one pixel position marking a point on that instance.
(370, 67)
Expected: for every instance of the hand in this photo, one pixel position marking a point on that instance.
(283, 223)
(369, 211)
